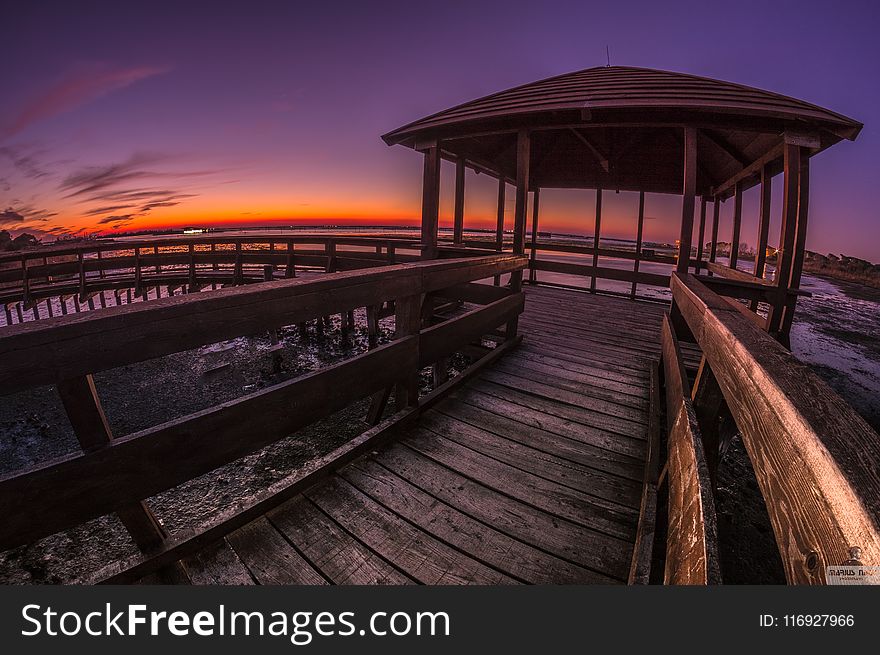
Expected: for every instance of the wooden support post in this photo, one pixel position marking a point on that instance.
(330, 249)
(639, 235)
(499, 225)
(784, 258)
(523, 154)
(716, 212)
(101, 266)
(707, 401)
(25, 281)
(290, 269)
(372, 326)
(533, 254)
(407, 321)
(237, 274)
(598, 227)
(763, 222)
(83, 407)
(156, 253)
(689, 189)
(82, 276)
(701, 232)
(737, 224)
(800, 244)
(458, 217)
(430, 200)
(192, 266)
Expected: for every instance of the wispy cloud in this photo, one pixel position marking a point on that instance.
(74, 90)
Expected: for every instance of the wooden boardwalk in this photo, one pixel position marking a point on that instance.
(530, 473)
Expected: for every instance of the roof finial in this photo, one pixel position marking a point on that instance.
(607, 56)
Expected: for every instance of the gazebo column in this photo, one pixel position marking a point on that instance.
(458, 217)
(639, 233)
(533, 253)
(800, 243)
(430, 199)
(689, 192)
(737, 224)
(499, 226)
(763, 227)
(596, 233)
(716, 214)
(701, 232)
(787, 233)
(523, 148)
(763, 222)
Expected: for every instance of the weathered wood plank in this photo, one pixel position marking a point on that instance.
(414, 551)
(270, 558)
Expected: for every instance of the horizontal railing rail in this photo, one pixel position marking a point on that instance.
(814, 457)
(117, 474)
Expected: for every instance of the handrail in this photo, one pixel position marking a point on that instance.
(814, 457)
(117, 473)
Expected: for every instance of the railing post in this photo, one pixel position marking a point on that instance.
(407, 322)
(716, 215)
(701, 231)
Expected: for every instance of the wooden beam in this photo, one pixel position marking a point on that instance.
(596, 233)
(737, 225)
(725, 146)
(83, 406)
(458, 216)
(430, 200)
(689, 188)
(601, 157)
(750, 171)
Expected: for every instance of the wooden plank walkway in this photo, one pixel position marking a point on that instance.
(530, 473)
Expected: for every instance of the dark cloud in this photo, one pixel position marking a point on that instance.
(24, 161)
(122, 218)
(105, 210)
(164, 203)
(9, 215)
(95, 182)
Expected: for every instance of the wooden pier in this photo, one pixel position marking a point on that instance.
(581, 421)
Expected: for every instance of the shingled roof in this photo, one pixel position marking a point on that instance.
(626, 117)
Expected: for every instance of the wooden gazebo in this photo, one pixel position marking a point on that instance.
(636, 129)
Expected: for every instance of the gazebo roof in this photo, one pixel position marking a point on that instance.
(617, 127)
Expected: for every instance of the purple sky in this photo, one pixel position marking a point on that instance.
(115, 116)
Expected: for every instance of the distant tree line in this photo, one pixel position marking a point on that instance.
(22, 241)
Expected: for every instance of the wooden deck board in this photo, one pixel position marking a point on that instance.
(530, 472)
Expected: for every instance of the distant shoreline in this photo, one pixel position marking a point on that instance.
(847, 269)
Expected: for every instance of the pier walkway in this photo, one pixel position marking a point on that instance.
(531, 472)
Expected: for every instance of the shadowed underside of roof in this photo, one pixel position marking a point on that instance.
(619, 127)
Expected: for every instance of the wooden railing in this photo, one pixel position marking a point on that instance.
(590, 273)
(814, 457)
(116, 474)
(75, 274)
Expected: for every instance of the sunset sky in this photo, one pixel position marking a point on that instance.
(115, 117)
